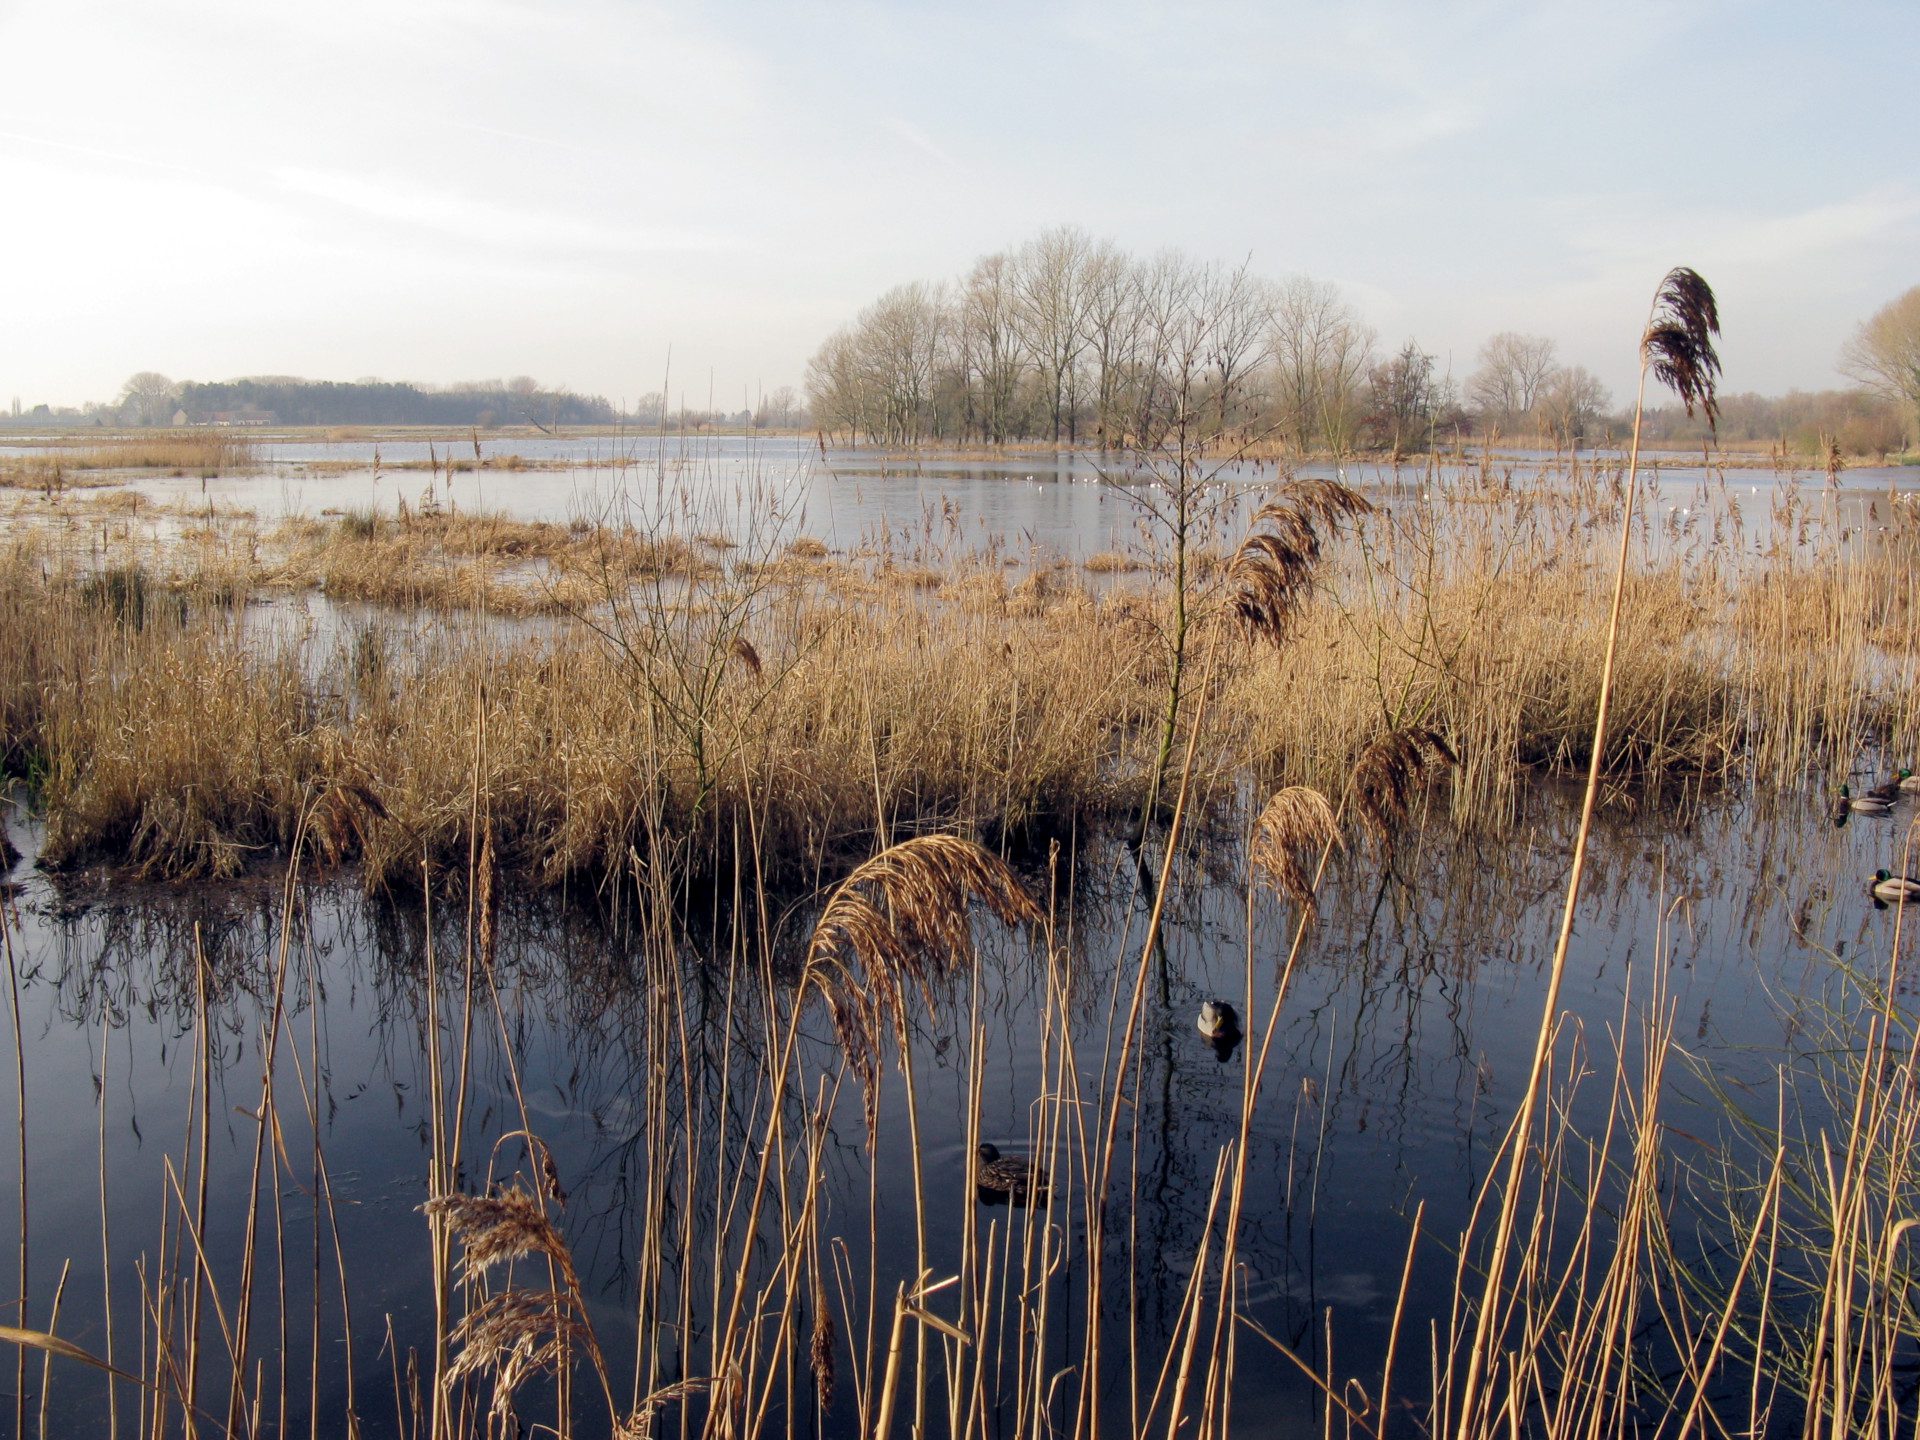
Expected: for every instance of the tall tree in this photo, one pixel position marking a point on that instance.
(1051, 283)
(150, 398)
(1513, 370)
(1404, 395)
(1321, 350)
(1112, 319)
(989, 344)
(1573, 405)
(1884, 355)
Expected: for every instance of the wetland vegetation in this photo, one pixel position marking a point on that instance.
(783, 956)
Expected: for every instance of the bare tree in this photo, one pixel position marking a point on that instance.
(1404, 398)
(900, 339)
(1112, 317)
(1513, 370)
(989, 344)
(1241, 307)
(1320, 351)
(1187, 428)
(1884, 355)
(150, 398)
(1051, 283)
(836, 390)
(1572, 405)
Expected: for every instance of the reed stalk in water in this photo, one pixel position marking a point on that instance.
(1677, 349)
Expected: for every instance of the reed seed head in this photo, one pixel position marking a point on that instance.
(1387, 772)
(1273, 569)
(1678, 345)
(1297, 823)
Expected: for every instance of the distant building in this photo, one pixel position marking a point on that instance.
(180, 418)
(248, 415)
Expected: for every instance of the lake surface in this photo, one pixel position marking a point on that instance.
(1400, 1051)
(1024, 506)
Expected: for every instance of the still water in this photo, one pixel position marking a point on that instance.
(1400, 1049)
(1032, 506)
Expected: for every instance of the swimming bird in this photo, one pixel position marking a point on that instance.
(1909, 781)
(1014, 1176)
(1891, 887)
(1865, 804)
(1218, 1020)
(1890, 791)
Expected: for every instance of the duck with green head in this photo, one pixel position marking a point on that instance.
(1894, 889)
(1868, 804)
(1890, 791)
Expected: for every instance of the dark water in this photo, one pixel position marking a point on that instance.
(1407, 1032)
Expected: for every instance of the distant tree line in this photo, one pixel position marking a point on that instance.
(1858, 422)
(1069, 338)
(519, 401)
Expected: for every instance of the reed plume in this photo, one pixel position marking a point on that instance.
(1296, 824)
(1389, 770)
(743, 651)
(1273, 568)
(820, 1351)
(900, 918)
(516, 1332)
(1676, 348)
(513, 1336)
(1678, 344)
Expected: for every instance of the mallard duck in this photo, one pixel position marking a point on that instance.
(1890, 791)
(1909, 781)
(1014, 1176)
(1865, 804)
(1894, 888)
(1218, 1020)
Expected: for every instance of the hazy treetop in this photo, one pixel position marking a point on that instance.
(567, 187)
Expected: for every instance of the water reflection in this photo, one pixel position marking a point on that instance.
(1393, 1070)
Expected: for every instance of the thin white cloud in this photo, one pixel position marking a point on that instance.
(485, 222)
(921, 141)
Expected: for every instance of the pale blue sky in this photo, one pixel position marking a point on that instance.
(451, 189)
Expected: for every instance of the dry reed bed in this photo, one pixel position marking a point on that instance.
(171, 737)
(177, 452)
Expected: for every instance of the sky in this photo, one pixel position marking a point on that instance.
(614, 195)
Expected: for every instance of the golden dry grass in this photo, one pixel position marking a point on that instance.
(881, 701)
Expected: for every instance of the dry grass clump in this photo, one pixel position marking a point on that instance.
(183, 452)
(443, 559)
(1111, 562)
(192, 743)
(995, 701)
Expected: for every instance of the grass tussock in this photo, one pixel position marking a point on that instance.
(162, 731)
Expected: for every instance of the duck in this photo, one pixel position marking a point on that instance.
(1890, 791)
(1218, 1020)
(1895, 888)
(1865, 804)
(1016, 1177)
